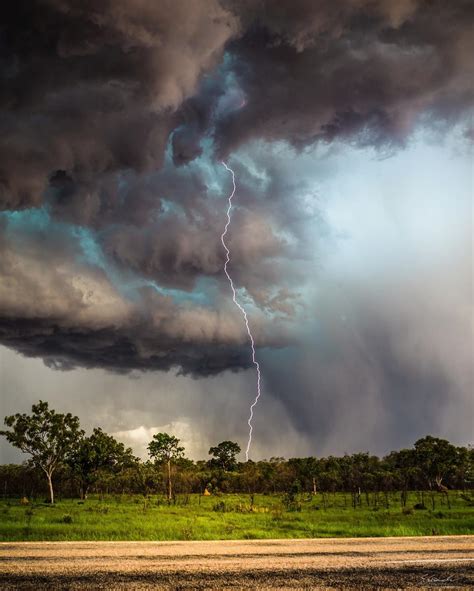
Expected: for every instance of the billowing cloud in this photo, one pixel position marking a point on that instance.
(93, 88)
(70, 314)
(363, 70)
(114, 118)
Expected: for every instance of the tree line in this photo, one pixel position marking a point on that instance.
(61, 457)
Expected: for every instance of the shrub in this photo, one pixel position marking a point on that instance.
(290, 500)
(66, 518)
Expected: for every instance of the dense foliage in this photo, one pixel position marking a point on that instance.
(100, 464)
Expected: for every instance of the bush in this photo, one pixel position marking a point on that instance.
(419, 506)
(291, 503)
(66, 518)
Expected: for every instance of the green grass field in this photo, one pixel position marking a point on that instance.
(232, 517)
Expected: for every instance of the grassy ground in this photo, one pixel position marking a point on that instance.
(233, 517)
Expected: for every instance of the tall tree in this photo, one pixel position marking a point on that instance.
(165, 449)
(47, 436)
(436, 458)
(224, 455)
(96, 453)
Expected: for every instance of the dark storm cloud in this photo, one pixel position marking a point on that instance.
(118, 349)
(57, 305)
(94, 87)
(359, 69)
(106, 108)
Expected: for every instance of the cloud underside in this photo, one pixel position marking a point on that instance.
(117, 350)
(114, 117)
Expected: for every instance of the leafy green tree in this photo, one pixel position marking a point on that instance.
(165, 449)
(307, 471)
(47, 436)
(330, 478)
(464, 471)
(402, 465)
(225, 455)
(145, 478)
(96, 453)
(436, 458)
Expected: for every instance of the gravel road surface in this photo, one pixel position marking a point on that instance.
(358, 563)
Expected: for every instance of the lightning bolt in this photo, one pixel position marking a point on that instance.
(241, 308)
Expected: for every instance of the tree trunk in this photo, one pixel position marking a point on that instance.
(84, 489)
(404, 497)
(50, 485)
(314, 486)
(170, 490)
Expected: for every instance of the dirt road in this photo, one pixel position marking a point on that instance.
(360, 563)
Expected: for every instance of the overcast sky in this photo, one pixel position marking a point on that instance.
(349, 128)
